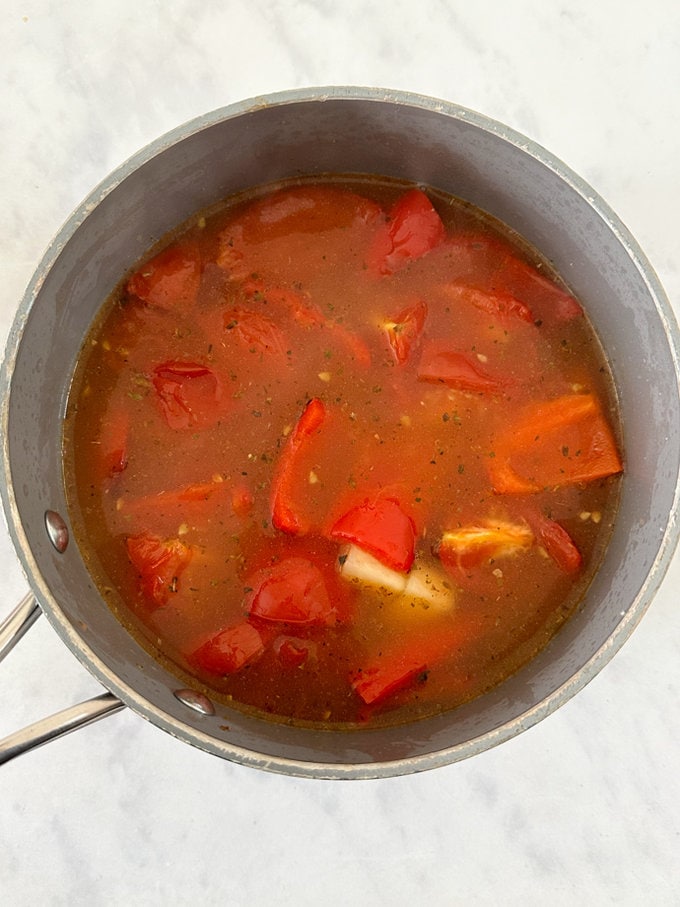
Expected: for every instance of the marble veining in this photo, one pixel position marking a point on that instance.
(583, 808)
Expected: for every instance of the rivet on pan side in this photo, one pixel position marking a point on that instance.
(196, 701)
(57, 530)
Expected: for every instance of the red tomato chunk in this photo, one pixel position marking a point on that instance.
(291, 592)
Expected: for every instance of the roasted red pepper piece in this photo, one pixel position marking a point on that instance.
(388, 676)
(381, 527)
(188, 393)
(404, 332)
(229, 650)
(393, 670)
(293, 592)
(285, 516)
(563, 441)
(555, 540)
(170, 280)
(159, 562)
(442, 365)
(413, 229)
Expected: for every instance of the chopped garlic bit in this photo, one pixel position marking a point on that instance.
(313, 477)
(216, 477)
(287, 429)
(584, 515)
(325, 376)
(482, 357)
(596, 516)
(183, 529)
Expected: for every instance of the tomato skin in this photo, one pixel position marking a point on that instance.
(293, 591)
(285, 517)
(414, 228)
(291, 653)
(188, 393)
(290, 301)
(170, 280)
(404, 332)
(229, 650)
(159, 562)
(442, 365)
(255, 330)
(498, 303)
(381, 527)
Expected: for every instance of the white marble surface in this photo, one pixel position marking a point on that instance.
(585, 807)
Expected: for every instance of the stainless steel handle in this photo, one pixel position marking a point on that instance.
(46, 729)
(19, 621)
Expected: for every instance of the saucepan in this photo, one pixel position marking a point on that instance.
(339, 130)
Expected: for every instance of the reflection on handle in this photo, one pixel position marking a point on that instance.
(19, 621)
(11, 630)
(57, 725)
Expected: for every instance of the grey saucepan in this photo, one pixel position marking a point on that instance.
(335, 130)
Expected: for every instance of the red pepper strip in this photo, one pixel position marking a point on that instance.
(446, 366)
(563, 441)
(284, 515)
(159, 563)
(171, 280)
(293, 592)
(383, 529)
(229, 650)
(497, 303)
(391, 671)
(413, 229)
(404, 332)
(555, 540)
(188, 393)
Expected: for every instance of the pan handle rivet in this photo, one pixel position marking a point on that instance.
(196, 701)
(57, 530)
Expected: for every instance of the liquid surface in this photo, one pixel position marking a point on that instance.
(343, 452)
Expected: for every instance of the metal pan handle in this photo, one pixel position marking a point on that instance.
(43, 731)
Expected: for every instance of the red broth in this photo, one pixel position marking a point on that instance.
(343, 451)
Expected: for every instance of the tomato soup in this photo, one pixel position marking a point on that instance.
(343, 451)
